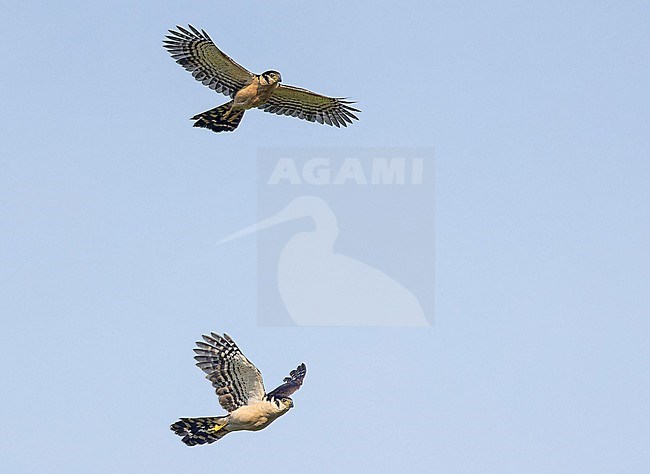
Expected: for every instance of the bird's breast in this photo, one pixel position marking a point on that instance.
(253, 417)
(253, 95)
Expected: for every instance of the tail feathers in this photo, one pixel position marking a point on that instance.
(201, 430)
(219, 119)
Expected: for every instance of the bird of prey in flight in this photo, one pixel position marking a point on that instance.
(196, 52)
(240, 390)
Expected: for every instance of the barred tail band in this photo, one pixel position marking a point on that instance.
(219, 119)
(199, 431)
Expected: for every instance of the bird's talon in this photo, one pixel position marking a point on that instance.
(216, 428)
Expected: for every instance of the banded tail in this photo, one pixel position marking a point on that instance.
(204, 430)
(219, 119)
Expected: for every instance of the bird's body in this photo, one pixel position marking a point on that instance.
(257, 92)
(197, 53)
(256, 417)
(240, 389)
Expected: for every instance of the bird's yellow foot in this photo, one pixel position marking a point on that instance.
(216, 428)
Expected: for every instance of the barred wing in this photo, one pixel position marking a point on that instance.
(291, 383)
(307, 105)
(236, 380)
(197, 53)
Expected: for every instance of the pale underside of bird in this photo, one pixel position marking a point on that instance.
(197, 53)
(241, 392)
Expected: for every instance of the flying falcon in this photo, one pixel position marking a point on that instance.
(195, 51)
(240, 390)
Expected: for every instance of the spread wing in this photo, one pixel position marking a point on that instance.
(195, 51)
(237, 381)
(291, 383)
(307, 105)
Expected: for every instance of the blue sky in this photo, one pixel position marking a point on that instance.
(112, 203)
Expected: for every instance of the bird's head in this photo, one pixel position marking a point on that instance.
(272, 77)
(284, 403)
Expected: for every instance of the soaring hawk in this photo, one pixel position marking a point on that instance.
(240, 390)
(195, 51)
